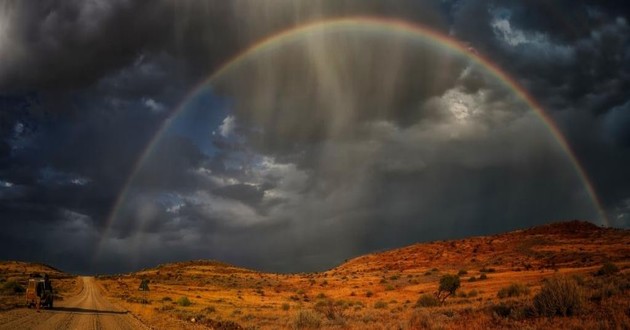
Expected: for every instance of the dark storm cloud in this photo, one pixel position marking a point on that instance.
(72, 43)
(338, 144)
(59, 44)
(617, 125)
(573, 58)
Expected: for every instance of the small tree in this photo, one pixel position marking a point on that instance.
(448, 286)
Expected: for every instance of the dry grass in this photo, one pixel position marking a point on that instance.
(14, 277)
(382, 291)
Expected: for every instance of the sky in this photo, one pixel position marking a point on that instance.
(126, 141)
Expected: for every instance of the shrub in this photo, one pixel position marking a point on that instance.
(329, 309)
(559, 296)
(183, 301)
(472, 279)
(285, 307)
(513, 290)
(448, 286)
(389, 287)
(514, 310)
(462, 272)
(210, 309)
(369, 294)
(12, 287)
(421, 320)
(306, 319)
(483, 276)
(167, 298)
(607, 268)
(473, 293)
(380, 304)
(427, 300)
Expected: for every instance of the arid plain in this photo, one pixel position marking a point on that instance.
(571, 275)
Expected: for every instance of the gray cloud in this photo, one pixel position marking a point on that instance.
(334, 145)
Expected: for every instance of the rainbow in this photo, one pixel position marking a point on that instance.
(370, 24)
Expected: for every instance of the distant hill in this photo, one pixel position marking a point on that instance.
(22, 269)
(563, 244)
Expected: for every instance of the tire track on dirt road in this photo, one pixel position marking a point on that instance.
(89, 309)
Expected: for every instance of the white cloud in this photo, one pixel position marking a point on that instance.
(5, 184)
(153, 105)
(227, 126)
(53, 176)
(534, 41)
(80, 181)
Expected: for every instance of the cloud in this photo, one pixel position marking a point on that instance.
(327, 147)
(153, 105)
(617, 124)
(227, 126)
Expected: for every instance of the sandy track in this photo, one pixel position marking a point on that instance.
(87, 310)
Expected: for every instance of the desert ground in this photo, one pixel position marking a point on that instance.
(571, 275)
(87, 309)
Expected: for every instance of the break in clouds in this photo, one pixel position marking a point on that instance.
(324, 147)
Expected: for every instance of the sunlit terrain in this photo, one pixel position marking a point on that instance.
(347, 164)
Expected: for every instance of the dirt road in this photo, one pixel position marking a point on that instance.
(87, 310)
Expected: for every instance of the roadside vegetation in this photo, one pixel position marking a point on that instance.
(530, 279)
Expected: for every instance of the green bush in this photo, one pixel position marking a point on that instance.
(380, 304)
(427, 300)
(306, 319)
(210, 309)
(607, 268)
(184, 301)
(559, 296)
(12, 287)
(513, 290)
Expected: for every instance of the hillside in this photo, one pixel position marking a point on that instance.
(391, 289)
(14, 276)
(559, 245)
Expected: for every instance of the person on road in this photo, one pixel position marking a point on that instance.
(40, 293)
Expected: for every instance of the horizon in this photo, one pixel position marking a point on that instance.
(289, 136)
(184, 261)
